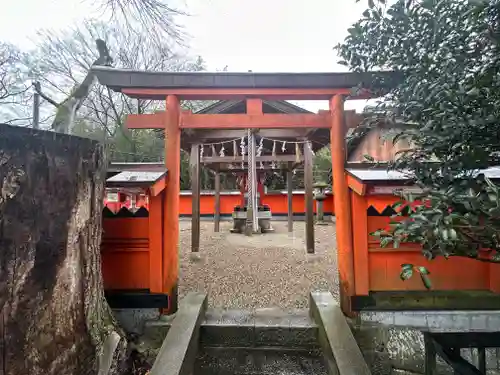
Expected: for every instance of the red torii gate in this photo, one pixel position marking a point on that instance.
(252, 87)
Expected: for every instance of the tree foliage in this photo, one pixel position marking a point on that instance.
(448, 53)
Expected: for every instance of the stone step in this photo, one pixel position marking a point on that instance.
(258, 361)
(259, 328)
(248, 328)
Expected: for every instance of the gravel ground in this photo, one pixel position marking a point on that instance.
(268, 270)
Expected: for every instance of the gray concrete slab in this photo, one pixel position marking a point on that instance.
(437, 320)
(268, 327)
(341, 350)
(180, 347)
(134, 320)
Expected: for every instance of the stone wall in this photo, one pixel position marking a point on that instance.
(392, 342)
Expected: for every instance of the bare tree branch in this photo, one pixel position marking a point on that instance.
(155, 16)
(65, 57)
(66, 111)
(45, 97)
(14, 88)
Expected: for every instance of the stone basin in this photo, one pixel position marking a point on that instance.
(264, 216)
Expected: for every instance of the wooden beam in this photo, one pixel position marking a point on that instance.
(254, 106)
(464, 339)
(263, 158)
(342, 205)
(217, 202)
(146, 121)
(238, 133)
(308, 184)
(289, 186)
(243, 93)
(453, 358)
(194, 167)
(171, 202)
(237, 169)
(157, 187)
(255, 121)
(356, 185)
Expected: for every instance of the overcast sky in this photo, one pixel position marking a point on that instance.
(257, 35)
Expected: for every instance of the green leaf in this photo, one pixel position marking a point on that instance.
(385, 241)
(406, 271)
(473, 91)
(444, 234)
(397, 204)
(426, 281)
(452, 233)
(366, 13)
(371, 4)
(423, 270)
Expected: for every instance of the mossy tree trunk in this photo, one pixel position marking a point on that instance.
(54, 317)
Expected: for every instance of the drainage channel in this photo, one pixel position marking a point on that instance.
(201, 341)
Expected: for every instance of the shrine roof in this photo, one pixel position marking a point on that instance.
(239, 106)
(116, 167)
(136, 178)
(120, 79)
(374, 175)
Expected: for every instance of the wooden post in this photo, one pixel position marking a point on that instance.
(242, 189)
(155, 243)
(289, 197)
(308, 182)
(429, 355)
(171, 203)
(36, 105)
(342, 204)
(194, 167)
(481, 360)
(217, 202)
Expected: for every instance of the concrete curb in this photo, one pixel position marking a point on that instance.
(178, 351)
(342, 353)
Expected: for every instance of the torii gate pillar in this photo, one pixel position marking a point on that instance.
(171, 202)
(342, 203)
